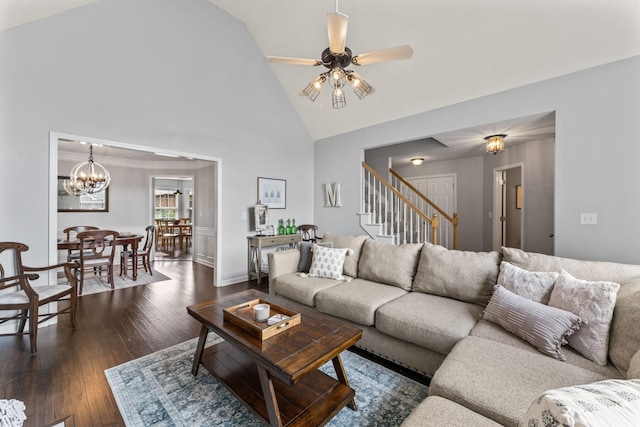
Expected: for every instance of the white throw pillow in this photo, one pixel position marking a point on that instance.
(533, 285)
(593, 302)
(604, 403)
(327, 262)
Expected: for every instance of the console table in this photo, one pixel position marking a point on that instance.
(254, 250)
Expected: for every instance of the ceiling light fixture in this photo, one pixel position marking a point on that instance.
(177, 192)
(88, 177)
(337, 57)
(495, 143)
(417, 161)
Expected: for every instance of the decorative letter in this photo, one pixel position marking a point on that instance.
(332, 194)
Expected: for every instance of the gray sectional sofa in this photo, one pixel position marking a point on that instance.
(425, 307)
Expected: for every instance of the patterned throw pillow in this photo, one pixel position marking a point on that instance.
(533, 285)
(546, 328)
(327, 262)
(594, 303)
(306, 255)
(604, 403)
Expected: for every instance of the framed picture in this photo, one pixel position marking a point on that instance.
(96, 202)
(518, 196)
(272, 192)
(261, 217)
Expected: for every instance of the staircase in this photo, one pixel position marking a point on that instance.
(398, 213)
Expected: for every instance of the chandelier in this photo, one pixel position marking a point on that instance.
(88, 177)
(495, 143)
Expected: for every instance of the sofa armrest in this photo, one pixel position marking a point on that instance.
(283, 262)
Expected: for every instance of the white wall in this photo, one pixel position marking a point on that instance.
(596, 155)
(172, 74)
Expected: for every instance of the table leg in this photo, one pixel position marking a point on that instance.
(269, 397)
(342, 377)
(204, 332)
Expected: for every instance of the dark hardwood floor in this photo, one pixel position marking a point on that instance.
(66, 377)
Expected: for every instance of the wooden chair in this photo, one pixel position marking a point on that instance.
(144, 254)
(99, 248)
(168, 237)
(308, 232)
(25, 289)
(72, 234)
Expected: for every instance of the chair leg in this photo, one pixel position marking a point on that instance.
(33, 327)
(23, 320)
(73, 304)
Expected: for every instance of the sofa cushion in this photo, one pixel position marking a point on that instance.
(586, 270)
(624, 336)
(306, 254)
(300, 289)
(634, 366)
(462, 275)
(431, 321)
(491, 331)
(435, 411)
(357, 300)
(327, 262)
(390, 264)
(351, 242)
(594, 303)
(604, 403)
(533, 285)
(547, 328)
(500, 381)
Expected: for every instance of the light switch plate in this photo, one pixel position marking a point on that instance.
(588, 218)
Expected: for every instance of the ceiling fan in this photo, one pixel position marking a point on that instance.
(337, 57)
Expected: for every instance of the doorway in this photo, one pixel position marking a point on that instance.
(173, 204)
(206, 242)
(508, 206)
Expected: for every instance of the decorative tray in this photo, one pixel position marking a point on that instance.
(242, 315)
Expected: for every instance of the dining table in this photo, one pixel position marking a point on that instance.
(124, 241)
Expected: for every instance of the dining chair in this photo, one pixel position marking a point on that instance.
(99, 248)
(169, 237)
(72, 234)
(308, 232)
(144, 254)
(25, 289)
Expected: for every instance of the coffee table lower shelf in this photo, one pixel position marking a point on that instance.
(313, 400)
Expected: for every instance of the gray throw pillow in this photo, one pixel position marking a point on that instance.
(389, 264)
(533, 285)
(306, 254)
(546, 328)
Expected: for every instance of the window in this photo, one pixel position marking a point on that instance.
(166, 204)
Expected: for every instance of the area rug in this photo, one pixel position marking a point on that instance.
(159, 390)
(94, 284)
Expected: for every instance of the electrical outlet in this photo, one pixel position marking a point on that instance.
(588, 218)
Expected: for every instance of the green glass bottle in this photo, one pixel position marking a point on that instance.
(281, 229)
(294, 229)
(288, 228)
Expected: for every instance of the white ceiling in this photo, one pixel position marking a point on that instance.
(463, 48)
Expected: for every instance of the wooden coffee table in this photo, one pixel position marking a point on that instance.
(278, 378)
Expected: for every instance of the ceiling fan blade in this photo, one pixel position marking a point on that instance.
(291, 61)
(391, 54)
(337, 28)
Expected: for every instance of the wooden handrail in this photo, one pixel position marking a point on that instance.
(422, 196)
(400, 195)
(452, 219)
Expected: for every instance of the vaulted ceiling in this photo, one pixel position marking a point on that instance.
(464, 49)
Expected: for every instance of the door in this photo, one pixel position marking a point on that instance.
(441, 190)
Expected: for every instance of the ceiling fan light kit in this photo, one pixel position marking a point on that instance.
(337, 57)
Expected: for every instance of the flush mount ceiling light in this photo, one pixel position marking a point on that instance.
(495, 143)
(337, 57)
(417, 161)
(88, 177)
